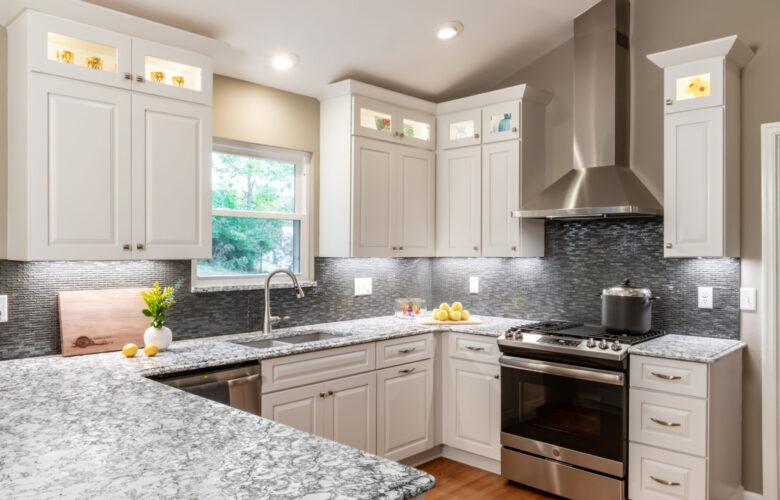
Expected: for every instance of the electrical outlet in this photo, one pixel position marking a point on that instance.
(3, 308)
(473, 284)
(705, 297)
(363, 286)
(747, 299)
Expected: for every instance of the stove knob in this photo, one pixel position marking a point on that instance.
(603, 344)
(591, 343)
(616, 346)
(518, 336)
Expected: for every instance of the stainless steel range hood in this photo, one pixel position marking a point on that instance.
(601, 183)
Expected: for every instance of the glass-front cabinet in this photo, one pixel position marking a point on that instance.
(380, 120)
(694, 85)
(460, 129)
(501, 122)
(78, 51)
(167, 71)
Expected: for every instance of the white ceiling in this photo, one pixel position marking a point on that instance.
(388, 43)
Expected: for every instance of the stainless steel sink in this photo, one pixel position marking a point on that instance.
(263, 344)
(296, 339)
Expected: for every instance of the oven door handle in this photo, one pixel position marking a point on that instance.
(576, 372)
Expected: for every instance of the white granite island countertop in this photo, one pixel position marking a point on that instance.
(688, 348)
(95, 427)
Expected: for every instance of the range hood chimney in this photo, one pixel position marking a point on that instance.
(601, 183)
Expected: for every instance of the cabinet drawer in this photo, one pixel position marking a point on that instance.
(675, 422)
(404, 350)
(301, 369)
(669, 375)
(473, 347)
(656, 474)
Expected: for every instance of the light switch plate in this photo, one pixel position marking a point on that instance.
(473, 284)
(705, 297)
(3, 308)
(363, 286)
(747, 299)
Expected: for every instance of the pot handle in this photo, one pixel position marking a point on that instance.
(655, 298)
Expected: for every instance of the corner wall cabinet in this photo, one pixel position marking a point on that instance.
(702, 147)
(377, 173)
(103, 167)
(491, 156)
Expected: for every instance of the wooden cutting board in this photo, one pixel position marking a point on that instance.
(101, 320)
(473, 320)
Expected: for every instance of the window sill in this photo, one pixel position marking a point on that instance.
(214, 288)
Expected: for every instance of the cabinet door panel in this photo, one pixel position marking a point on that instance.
(416, 188)
(693, 177)
(171, 179)
(458, 203)
(694, 85)
(353, 416)
(191, 71)
(375, 119)
(472, 405)
(501, 122)
(80, 175)
(301, 408)
(405, 410)
(373, 203)
(500, 195)
(459, 129)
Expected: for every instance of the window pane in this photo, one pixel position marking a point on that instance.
(247, 183)
(246, 246)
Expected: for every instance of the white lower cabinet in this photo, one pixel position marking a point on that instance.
(658, 474)
(472, 407)
(342, 410)
(405, 414)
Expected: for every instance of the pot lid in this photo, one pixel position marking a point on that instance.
(626, 290)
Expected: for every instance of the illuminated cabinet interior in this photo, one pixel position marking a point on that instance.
(71, 50)
(702, 147)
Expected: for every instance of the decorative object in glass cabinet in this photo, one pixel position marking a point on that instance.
(181, 75)
(462, 130)
(69, 50)
(500, 123)
(375, 120)
(418, 130)
(691, 87)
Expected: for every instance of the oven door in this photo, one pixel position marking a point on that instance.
(569, 413)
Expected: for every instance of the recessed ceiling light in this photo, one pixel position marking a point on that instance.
(284, 62)
(450, 30)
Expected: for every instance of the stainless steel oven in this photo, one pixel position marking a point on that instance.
(564, 427)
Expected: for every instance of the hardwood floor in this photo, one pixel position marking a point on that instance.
(459, 481)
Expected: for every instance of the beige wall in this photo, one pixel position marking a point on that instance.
(658, 25)
(249, 112)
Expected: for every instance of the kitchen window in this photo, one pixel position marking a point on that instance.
(260, 219)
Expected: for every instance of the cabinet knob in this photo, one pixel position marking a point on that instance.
(668, 245)
(496, 377)
(514, 130)
(322, 394)
(127, 76)
(514, 249)
(126, 246)
(395, 248)
(330, 393)
(140, 78)
(400, 248)
(669, 102)
(476, 136)
(139, 246)
(476, 249)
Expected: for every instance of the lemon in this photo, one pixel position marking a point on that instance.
(434, 313)
(455, 315)
(130, 350)
(151, 350)
(444, 306)
(457, 306)
(442, 315)
(464, 315)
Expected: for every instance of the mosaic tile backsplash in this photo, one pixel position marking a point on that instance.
(581, 258)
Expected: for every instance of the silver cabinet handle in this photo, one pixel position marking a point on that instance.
(127, 76)
(665, 376)
(669, 102)
(664, 481)
(407, 351)
(243, 380)
(472, 348)
(664, 422)
(668, 245)
(139, 246)
(140, 79)
(406, 371)
(126, 246)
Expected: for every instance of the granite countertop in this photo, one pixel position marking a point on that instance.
(94, 426)
(688, 348)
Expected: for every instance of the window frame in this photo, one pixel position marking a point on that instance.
(303, 203)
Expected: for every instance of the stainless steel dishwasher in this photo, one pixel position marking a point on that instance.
(236, 386)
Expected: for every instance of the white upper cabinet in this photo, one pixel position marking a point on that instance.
(102, 172)
(377, 173)
(458, 202)
(501, 122)
(387, 122)
(702, 147)
(460, 129)
(171, 72)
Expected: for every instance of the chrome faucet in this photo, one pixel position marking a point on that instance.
(269, 320)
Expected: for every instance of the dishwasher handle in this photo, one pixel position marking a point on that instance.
(237, 382)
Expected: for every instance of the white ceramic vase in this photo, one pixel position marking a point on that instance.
(161, 337)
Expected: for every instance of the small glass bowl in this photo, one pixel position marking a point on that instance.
(409, 308)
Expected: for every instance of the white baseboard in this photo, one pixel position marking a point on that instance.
(749, 495)
(423, 457)
(471, 459)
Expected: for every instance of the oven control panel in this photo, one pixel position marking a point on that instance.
(557, 341)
